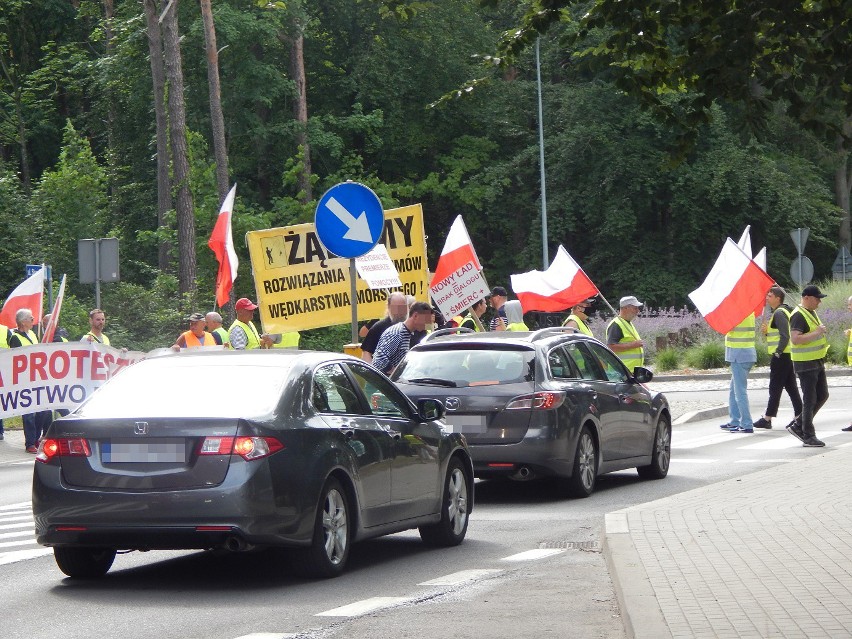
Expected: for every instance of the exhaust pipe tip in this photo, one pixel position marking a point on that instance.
(524, 473)
(235, 544)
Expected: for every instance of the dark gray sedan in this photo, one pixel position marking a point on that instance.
(241, 450)
(552, 403)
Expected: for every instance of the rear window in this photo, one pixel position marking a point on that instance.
(177, 388)
(464, 368)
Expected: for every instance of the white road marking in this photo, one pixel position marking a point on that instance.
(363, 607)
(21, 555)
(687, 460)
(23, 505)
(699, 442)
(762, 461)
(27, 520)
(460, 577)
(19, 533)
(268, 635)
(781, 443)
(531, 555)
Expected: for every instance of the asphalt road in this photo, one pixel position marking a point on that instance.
(530, 566)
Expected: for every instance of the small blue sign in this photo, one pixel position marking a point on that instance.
(30, 269)
(349, 219)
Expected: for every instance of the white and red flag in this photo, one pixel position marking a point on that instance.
(53, 322)
(732, 290)
(29, 294)
(561, 286)
(458, 252)
(221, 242)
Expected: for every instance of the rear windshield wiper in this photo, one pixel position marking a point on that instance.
(432, 381)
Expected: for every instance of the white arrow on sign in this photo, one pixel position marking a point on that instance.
(359, 229)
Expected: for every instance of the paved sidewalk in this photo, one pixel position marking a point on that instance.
(764, 555)
(12, 447)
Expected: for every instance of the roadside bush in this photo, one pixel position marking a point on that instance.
(667, 360)
(707, 355)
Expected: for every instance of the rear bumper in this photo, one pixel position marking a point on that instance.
(243, 509)
(544, 457)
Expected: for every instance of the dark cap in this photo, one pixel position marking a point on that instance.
(245, 304)
(498, 290)
(196, 317)
(813, 291)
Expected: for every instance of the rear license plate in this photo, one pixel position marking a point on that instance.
(466, 423)
(116, 452)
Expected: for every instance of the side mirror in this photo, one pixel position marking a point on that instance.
(642, 375)
(430, 409)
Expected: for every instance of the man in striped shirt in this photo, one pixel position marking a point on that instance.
(396, 340)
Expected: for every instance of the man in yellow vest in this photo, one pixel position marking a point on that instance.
(4, 343)
(623, 338)
(515, 316)
(242, 334)
(577, 318)
(741, 354)
(477, 310)
(215, 328)
(97, 321)
(781, 374)
(196, 336)
(22, 336)
(808, 352)
(847, 332)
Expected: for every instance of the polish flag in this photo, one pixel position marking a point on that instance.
(53, 322)
(732, 290)
(745, 241)
(221, 242)
(29, 294)
(458, 251)
(561, 286)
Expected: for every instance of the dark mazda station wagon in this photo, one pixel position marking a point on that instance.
(552, 403)
(242, 450)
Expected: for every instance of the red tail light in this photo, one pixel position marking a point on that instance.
(248, 448)
(545, 400)
(63, 447)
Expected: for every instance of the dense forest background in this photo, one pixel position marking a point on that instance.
(110, 127)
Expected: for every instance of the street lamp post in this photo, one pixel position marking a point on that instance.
(545, 256)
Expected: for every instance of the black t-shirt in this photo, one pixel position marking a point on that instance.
(371, 341)
(614, 334)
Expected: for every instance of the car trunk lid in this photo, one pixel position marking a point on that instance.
(154, 454)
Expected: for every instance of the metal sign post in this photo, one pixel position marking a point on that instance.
(98, 263)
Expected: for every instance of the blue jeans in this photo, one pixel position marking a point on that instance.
(738, 396)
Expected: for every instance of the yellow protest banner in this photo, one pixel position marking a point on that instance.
(300, 285)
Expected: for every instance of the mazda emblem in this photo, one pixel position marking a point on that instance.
(141, 428)
(452, 403)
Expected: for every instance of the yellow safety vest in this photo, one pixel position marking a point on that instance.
(632, 357)
(251, 334)
(102, 340)
(741, 335)
(289, 339)
(223, 335)
(29, 335)
(517, 326)
(4, 334)
(849, 350)
(581, 325)
(468, 322)
(810, 351)
(773, 337)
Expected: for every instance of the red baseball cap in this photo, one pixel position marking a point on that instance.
(246, 304)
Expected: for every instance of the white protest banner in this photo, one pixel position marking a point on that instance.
(377, 269)
(57, 375)
(459, 290)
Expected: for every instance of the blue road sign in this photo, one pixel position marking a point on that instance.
(349, 219)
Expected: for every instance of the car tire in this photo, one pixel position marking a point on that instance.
(456, 498)
(329, 549)
(585, 472)
(83, 563)
(661, 454)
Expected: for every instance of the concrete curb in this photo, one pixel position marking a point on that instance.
(762, 372)
(640, 611)
(702, 414)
